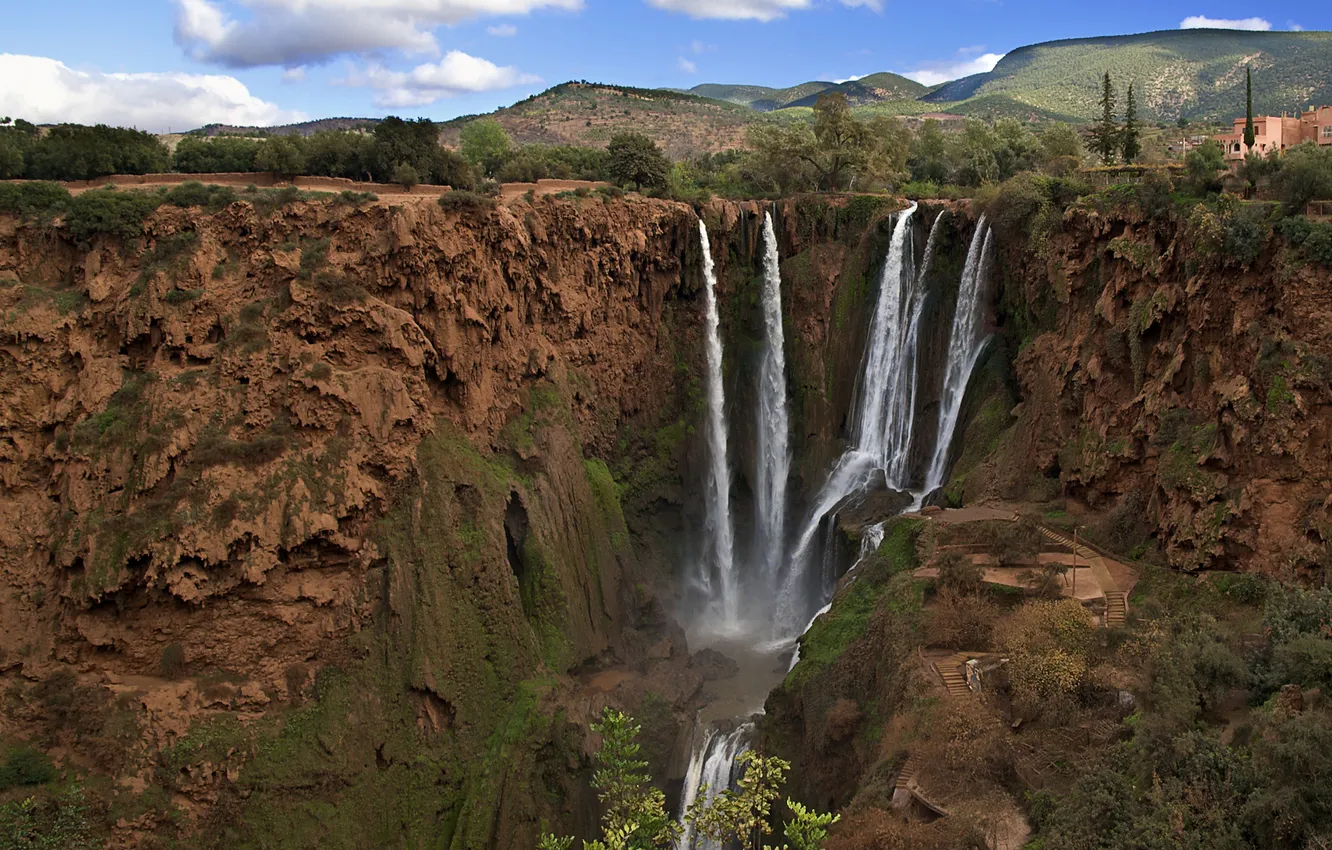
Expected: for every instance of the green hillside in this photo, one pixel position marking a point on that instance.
(761, 98)
(1195, 74)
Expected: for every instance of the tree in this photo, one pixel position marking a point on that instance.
(202, 155)
(1061, 149)
(413, 142)
(1131, 140)
(406, 176)
(1249, 136)
(1105, 133)
(636, 159)
(282, 156)
(76, 152)
(485, 144)
(635, 812)
(1202, 165)
(928, 158)
(1306, 175)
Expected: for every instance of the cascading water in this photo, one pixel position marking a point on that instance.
(885, 399)
(716, 576)
(774, 458)
(964, 349)
(712, 769)
(869, 543)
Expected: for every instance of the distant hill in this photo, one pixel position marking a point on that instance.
(1193, 74)
(588, 114)
(305, 128)
(874, 88)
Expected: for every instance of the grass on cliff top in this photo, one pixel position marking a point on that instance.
(883, 580)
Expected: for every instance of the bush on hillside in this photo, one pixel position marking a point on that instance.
(34, 199)
(195, 194)
(107, 212)
(460, 200)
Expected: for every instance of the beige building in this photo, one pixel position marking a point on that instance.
(1278, 133)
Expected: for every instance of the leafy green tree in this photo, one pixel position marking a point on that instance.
(1306, 175)
(341, 153)
(1105, 133)
(1131, 141)
(1016, 149)
(1202, 165)
(202, 155)
(1249, 136)
(928, 157)
(281, 155)
(76, 152)
(11, 158)
(406, 176)
(636, 159)
(975, 154)
(1061, 149)
(485, 144)
(635, 812)
(397, 141)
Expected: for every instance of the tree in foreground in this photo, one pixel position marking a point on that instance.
(1131, 138)
(485, 144)
(636, 819)
(837, 151)
(636, 159)
(1105, 133)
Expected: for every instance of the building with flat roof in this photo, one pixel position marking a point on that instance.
(1279, 133)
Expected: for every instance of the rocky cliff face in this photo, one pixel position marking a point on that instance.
(338, 525)
(1174, 373)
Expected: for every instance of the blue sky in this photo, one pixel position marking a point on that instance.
(177, 64)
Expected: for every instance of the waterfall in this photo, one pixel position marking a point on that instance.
(774, 459)
(964, 349)
(885, 406)
(719, 562)
(712, 767)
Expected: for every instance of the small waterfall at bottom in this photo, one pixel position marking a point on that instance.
(712, 769)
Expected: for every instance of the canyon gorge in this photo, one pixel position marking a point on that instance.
(337, 525)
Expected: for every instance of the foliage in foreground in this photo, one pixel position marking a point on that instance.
(636, 818)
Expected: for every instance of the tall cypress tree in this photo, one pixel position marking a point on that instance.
(1248, 110)
(1131, 145)
(1105, 135)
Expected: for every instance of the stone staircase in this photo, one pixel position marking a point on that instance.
(1116, 608)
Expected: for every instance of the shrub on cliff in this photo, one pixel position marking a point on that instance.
(461, 200)
(108, 212)
(34, 199)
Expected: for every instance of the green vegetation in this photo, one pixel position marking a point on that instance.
(635, 815)
(25, 766)
(830, 152)
(634, 159)
(886, 577)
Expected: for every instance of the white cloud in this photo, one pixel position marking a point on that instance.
(299, 32)
(457, 73)
(1294, 27)
(748, 10)
(503, 30)
(700, 47)
(851, 79)
(934, 73)
(293, 75)
(1199, 22)
(45, 90)
(687, 66)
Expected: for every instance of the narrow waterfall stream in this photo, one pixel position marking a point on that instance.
(964, 349)
(716, 573)
(883, 399)
(774, 453)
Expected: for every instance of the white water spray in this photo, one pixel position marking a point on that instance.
(964, 349)
(774, 458)
(717, 577)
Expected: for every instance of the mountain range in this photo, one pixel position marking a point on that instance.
(1191, 75)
